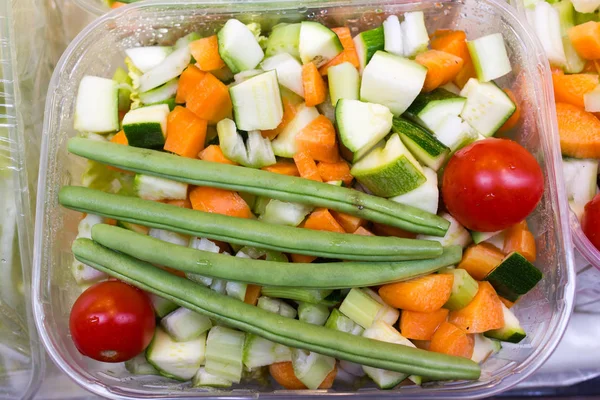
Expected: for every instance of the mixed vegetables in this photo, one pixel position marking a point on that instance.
(570, 33)
(274, 203)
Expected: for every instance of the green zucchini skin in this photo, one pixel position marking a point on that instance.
(274, 327)
(247, 232)
(261, 183)
(334, 275)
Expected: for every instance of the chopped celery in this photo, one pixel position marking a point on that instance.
(360, 307)
(259, 352)
(206, 379)
(276, 306)
(161, 305)
(387, 313)
(269, 255)
(138, 365)
(224, 347)
(340, 322)
(236, 290)
(311, 368)
(285, 213)
(315, 314)
(183, 324)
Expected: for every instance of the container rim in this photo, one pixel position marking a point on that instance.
(531, 363)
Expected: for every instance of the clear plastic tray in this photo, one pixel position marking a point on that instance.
(24, 76)
(99, 49)
(587, 257)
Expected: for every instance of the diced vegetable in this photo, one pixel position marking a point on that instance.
(392, 81)
(414, 33)
(84, 274)
(148, 57)
(387, 314)
(360, 308)
(284, 145)
(579, 132)
(419, 325)
(423, 145)
(171, 67)
(455, 42)
(344, 82)
(362, 125)
(518, 238)
(586, 39)
(186, 133)
(238, 47)
(389, 170)
(514, 277)
(316, 314)
(347, 55)
(178, 360)
(442, 68)
(146, 126)
(335, 171)
(220, 201)
(210, 99)
(206, 53)
(162, 306)
(184, 325)
(318, 140)
(259, 352)
(311, 368)
(456, 234)
(315, 89)
(97, 105)
(284, 38)
(449, 339)
(393, 36)
(307, 166)
(484, 348)
(318, 44)
(367, 43)
(431, 109)
(511, 331)
(482, 314)
(205, 379)
(340, 322)
(425, 197)
(580, 182)
(464, 289)
(480, 260)
(276, 307)
(257, 152)
(289, 71)
(489, 57)
(424, 294)
(487, 106)
(257, 102)
(154, 188)
(224, 349)
(284, 374)
(573, 87)
(169, 237)
(138, 365)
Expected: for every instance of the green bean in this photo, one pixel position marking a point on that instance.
(246, 231)
(260, 183)
(332, 275)
(290, 332)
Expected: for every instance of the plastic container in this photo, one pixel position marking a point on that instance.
(587, 257)
(22, 72)
(99, 49)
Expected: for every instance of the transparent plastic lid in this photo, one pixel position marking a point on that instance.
(22, 73)
(99, 49)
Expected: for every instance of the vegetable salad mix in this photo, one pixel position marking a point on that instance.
(570, 34)
(269, 203)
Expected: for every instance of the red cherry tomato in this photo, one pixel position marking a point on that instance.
(112, 321)
(492, 184)
(590, 223)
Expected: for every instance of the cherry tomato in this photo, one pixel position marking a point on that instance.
(112, 321)
(590, 223)
(492, 184)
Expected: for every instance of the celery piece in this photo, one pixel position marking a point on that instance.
(224, 348)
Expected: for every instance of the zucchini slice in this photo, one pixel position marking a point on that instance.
(318, 44)
(514, 277)
(423, 145)
(511, 332)
(367, 43)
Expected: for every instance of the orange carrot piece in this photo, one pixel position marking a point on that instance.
(189, 79)
(110, 221)
(515, 117)
(571, 88)
(252, 294)
(506, 302)
(424, 294)
(361, 230)
(350, 223)
(322, 220)
(219, 201)
(283, 168)
(338, 171)
(210, 100)
(586, 39)
(579, 131)
(116, 4)
(449, 339)
(347, 55)
(482, 314)
(421, 326)
(283, 373)
(206, 53)
(343, 33)
(479, 260)
(289, 112)
(318, 139)
(441, 67)
(307, 167)
(386, 230)
(455, 42)
(518, 238)
(302, 258)
(173, 271)
(120, 138)
(213, 153)
(185, 133)
(422, 344)
(180, 203)
(315, 89)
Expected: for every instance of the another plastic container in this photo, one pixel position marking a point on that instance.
(99, 49)
(21, 357)
(587, 257)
